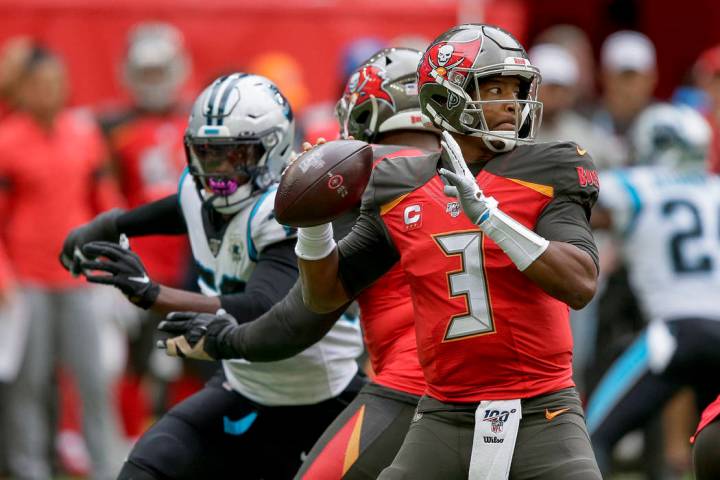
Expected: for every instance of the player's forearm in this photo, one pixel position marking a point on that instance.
(162, 217)
(174, 300)
(565, 272)
(322, 289)
(284, 331)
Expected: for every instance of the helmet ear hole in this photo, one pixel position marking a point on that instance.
(362, 117)
(442, 100)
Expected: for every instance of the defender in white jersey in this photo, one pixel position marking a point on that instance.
(666, 216)
(252, 420)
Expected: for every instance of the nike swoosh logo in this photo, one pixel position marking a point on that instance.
(550, 415)
(239, 427)
(143, 279)
(581, 151)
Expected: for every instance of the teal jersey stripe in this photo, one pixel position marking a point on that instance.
(635, 199)
(252, 251)
(618, 380)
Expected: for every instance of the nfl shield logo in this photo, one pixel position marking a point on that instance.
(453, 208)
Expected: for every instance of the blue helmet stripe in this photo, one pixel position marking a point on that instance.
(226, 94)
(216, 88)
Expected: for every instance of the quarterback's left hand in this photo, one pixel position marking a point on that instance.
(463, 184)
(201, 335)
(125, 270)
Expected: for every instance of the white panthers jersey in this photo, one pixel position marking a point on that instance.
(669, 226)
(318, 373)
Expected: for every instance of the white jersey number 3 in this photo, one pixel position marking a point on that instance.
(469, 282)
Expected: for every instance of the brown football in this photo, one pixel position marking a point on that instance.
(323, 183)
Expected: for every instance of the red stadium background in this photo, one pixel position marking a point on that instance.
(225, 34)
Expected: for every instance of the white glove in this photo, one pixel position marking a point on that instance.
(475, 204)
(521, 244)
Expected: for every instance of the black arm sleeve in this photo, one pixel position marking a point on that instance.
(366, 254)
(567, 217)
(568, 221)
(275, 273)
(285, 330)
(162, 217)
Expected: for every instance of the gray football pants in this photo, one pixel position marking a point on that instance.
(63, 327)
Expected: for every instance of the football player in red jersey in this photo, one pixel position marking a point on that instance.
(491, 272)
(146, 142)
(146, 139)
(706, 463)
(380, 104)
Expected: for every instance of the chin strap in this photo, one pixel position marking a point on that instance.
(507, 143)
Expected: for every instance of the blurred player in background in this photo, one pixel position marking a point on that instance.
(53, 166)
(380, 105)
(629, 76)
(490, 280)
(666, 212)
(257, 417)
(146, 144)
(707, 76)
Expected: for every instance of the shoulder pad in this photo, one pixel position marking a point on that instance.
(396, 175)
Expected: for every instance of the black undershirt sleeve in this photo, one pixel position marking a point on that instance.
(366, 254)
(162, 217)
(275, 273)
(284, 331)
(567, 221)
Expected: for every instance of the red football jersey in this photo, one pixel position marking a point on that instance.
(709, 415)
(484, 330)
(388, 321)
(151, 157)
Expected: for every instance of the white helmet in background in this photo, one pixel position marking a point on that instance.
(156, 65)
(238, 140)
(670, 135)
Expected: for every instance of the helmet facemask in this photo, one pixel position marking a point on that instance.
(230, 171)
(359, 123)
(526, 108)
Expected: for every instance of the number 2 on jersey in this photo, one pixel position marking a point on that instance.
(469, 282)
(681, 261)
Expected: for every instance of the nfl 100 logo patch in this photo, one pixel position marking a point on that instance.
(453, 209)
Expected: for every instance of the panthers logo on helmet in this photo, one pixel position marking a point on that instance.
(366, 82)
(441, 60)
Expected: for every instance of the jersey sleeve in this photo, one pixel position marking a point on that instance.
(366, 254)
(621, 198)
(575, 190)
(263, 229)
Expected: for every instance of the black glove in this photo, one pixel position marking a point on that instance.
(203, 336)
(126, 272)
(102, 227)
